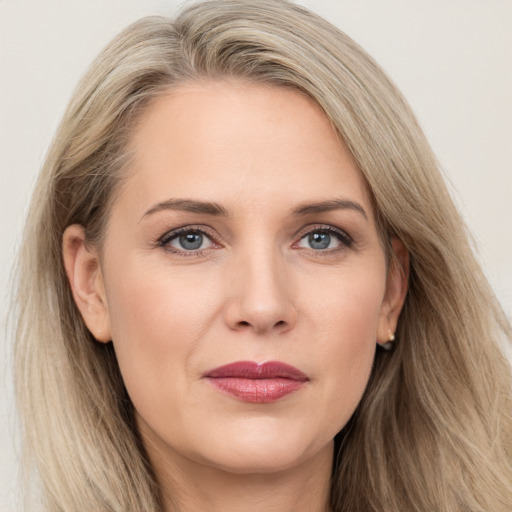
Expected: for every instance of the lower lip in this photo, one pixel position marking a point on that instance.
(259, 391)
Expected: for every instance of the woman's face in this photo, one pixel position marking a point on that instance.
(242, 235)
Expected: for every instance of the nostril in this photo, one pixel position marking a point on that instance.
(245, 323)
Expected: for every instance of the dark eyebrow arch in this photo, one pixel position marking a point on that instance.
(328, 206)
(189, 205)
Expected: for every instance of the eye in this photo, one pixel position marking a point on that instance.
(186, 240)
(324, 239)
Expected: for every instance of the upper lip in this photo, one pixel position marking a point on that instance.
(254, 370)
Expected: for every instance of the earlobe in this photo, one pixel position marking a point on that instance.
(396, 291)
(86, 281)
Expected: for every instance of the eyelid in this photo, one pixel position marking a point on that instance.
(345, 239)
(168, 236)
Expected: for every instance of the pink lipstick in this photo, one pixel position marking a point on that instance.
(258, 383)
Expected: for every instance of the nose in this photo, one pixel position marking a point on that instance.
(261, 298)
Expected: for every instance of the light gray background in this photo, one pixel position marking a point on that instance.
(451, 58)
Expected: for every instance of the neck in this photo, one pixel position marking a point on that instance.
(188, 486)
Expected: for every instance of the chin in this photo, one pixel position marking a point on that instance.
(262, 451)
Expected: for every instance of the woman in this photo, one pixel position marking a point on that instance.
(244, 285)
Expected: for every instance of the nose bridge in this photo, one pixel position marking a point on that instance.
(262, 297)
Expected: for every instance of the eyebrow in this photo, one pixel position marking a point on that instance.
(211, 208)
(328, 206)
(189, 205)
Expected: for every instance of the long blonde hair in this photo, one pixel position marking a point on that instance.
(433, 431)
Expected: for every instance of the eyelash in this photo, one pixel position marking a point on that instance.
(164, 241)
(345, 240)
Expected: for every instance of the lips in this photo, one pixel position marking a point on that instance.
(257, 383)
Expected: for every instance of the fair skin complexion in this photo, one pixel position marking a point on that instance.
(286, 265)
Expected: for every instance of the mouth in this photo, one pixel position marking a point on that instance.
(254, 382)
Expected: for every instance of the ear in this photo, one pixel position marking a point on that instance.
(86, 280)
(396, 290)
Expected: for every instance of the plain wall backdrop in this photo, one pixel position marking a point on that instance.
(452, 59)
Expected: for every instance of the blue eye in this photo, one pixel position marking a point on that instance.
(319, 240)
(186, 241)
(190, 241)
(322, 239)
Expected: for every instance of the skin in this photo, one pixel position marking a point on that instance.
(256, 290)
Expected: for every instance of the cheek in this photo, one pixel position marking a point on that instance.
(347, 306)
(157, 323)
(346, 317)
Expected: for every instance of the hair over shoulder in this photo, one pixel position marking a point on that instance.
(433, 430)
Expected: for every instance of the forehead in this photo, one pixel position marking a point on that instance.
(236, 141)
